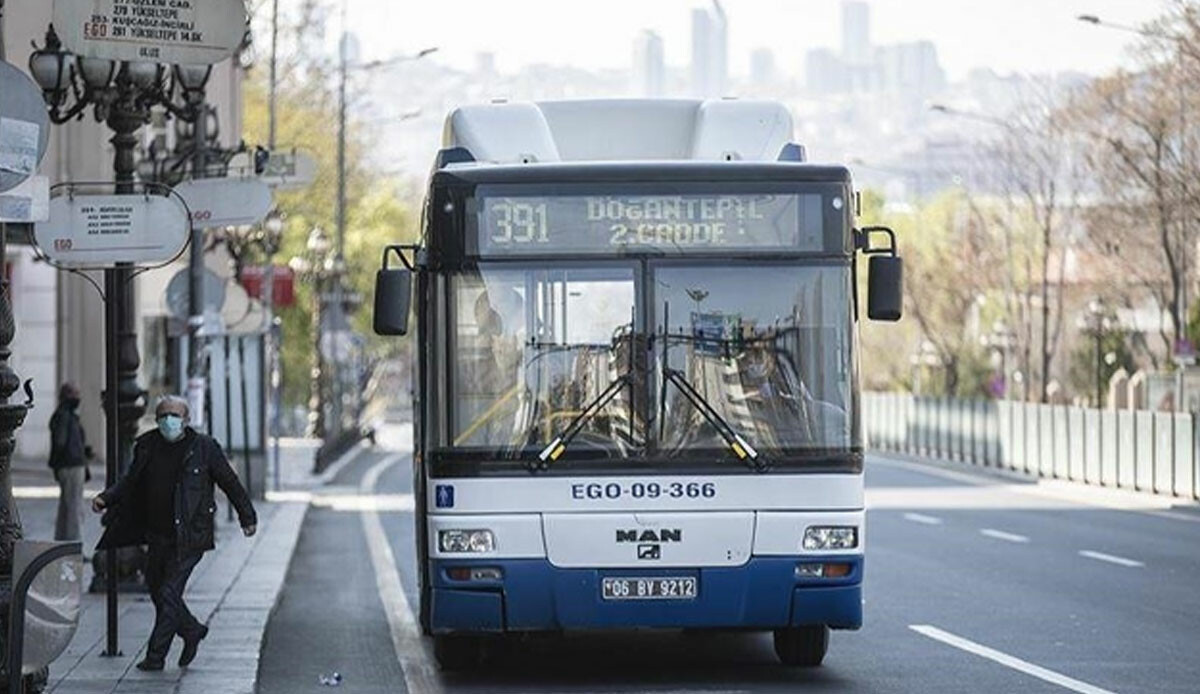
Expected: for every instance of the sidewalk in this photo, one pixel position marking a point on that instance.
(233, 590)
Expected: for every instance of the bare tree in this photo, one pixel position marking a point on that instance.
(1040, 175)
(1142, 155)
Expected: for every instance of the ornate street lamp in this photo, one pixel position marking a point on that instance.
(1096, 321)
(318, 267)
(1001, 340)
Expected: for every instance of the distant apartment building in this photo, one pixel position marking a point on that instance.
(649, 65)
(856, 33)
(909, 69)
(710, 51)
(825, 72)
(762, 67)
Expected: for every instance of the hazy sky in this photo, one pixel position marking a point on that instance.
(1006, 35)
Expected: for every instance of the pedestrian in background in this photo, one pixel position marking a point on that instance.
(69, 456)
(166, 501)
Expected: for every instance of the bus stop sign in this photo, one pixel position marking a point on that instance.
(187, 32)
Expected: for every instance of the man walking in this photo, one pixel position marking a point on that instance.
(166, 501)
(69, 456)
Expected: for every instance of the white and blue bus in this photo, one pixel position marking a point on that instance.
(637, 397)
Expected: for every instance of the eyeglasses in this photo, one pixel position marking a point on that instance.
(164, 415)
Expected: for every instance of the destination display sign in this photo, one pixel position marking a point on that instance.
(670, 223)
(188, 32)
(103, 231)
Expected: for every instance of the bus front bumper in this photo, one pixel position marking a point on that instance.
(533, 595)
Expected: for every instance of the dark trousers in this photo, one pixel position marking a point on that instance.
(167, 574)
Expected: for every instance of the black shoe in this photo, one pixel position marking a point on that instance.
(191, 645)
(151, 665)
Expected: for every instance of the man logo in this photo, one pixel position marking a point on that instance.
(650, 552)
(649, 536)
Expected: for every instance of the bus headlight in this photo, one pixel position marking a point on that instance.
(466, 541)
(820, 537)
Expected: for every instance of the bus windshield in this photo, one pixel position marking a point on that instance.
(762, 348)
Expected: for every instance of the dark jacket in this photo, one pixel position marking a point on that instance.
(68, 445)
(203, 465)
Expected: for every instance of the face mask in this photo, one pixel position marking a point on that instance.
(171, 427)
(71, 403)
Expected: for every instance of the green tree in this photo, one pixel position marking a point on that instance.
(381, 209)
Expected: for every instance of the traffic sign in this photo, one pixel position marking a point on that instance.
(226, 202)
(285, 170)
(177, 293)
(180, 32)
(24, 127)
(27, 203)
(103, 231)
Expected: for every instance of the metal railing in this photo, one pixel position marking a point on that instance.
(1138, 450)
(43, 614)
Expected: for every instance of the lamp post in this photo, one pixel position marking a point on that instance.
(319, 268)
(1096, 322)
(12, 416)
(1001, 339)
(121, 95)
(270, 239)
(338, 288)
(927, 356)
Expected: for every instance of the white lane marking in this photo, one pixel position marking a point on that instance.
(32, 492)
(1001, 535)
(385, 503)
(1111, 559)
(922, 519)
(1007, 660)
(420, 675)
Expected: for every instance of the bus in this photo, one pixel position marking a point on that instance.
(636, 380)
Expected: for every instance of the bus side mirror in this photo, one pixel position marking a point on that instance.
(393, 296)
(885, 288)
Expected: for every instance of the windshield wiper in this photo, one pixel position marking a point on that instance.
(740, 446)
(558, 446)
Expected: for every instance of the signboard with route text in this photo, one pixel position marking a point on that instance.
(187, 32)
(103, 231)
(226, 202)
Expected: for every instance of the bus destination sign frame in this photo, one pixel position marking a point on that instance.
(687, 223)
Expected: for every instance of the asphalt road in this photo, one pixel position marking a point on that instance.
(973, 585)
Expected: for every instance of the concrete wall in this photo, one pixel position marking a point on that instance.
(34, 295)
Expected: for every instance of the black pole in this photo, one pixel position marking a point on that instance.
(124, 398)
(334, 368)
(197, 371)
(273, 90)
(111, 449)
(228, 415)
(1099, 369)
(245, 413)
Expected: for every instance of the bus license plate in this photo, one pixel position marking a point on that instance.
(683, 588)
